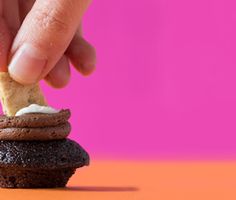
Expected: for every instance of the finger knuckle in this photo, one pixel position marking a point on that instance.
(51, 20)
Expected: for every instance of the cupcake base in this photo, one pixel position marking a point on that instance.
(22, 178)
(39, 164)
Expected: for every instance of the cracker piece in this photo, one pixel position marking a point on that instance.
(15, 96)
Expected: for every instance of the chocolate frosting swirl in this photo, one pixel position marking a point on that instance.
(35, 126)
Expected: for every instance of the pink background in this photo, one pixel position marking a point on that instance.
(165, 84)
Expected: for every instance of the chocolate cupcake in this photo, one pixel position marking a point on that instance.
(35, 153)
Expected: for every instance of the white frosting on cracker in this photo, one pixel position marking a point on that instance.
(35, 108)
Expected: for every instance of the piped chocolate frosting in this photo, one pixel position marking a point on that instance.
(35, 126)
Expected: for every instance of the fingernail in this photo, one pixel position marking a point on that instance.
(27, 64)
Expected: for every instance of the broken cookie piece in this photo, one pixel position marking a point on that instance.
(15, 96)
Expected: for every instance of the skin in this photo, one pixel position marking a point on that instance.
(54, 28)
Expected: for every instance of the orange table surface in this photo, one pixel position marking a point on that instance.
(127, 180)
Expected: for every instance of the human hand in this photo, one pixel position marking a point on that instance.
(39, 38)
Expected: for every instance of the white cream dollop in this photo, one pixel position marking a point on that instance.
(35, 108)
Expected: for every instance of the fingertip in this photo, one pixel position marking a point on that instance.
(86, 69)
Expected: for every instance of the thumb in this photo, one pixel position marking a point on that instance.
(43, 38)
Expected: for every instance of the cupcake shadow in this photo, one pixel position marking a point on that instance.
(99, 189)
